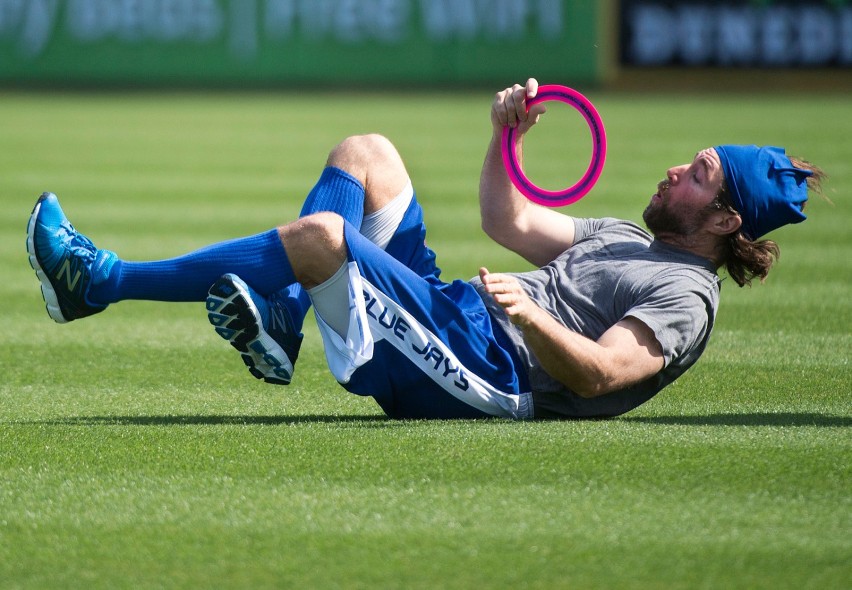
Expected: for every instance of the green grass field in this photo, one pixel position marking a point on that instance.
(135, 451)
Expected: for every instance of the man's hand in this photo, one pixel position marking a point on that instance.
(507, 292)
(509, 108)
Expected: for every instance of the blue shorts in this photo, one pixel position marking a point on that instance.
(420, 347)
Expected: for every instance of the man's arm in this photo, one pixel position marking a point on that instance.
(536, 233)
(624, 355)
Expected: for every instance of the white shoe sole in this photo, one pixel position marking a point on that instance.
(235, 317)
(50, 300)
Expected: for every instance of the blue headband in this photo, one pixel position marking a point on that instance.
(766, 189)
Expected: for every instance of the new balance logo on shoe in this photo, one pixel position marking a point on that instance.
(67, 271)
(277, 321)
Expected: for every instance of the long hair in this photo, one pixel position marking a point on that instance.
(745, 259)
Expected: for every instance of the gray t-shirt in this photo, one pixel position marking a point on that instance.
(616, 270)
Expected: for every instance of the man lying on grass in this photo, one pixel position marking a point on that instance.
(612, 315)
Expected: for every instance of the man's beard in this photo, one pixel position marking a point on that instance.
(661, 220)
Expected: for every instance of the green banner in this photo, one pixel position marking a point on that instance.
(289, 41)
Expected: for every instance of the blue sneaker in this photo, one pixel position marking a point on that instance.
(260, 329)
(65, 261)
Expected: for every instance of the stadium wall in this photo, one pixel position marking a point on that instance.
(284, 42)
(737, 45)
(698, 44)
(769, 34)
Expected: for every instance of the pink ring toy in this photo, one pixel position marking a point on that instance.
(584, 185)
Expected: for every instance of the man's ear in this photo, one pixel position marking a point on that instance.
(724, 223)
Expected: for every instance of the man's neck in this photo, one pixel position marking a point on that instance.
(703, 245)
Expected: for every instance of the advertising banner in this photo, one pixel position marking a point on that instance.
(737, 33)
(286, 41)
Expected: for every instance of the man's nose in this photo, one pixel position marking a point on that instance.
(674, 173)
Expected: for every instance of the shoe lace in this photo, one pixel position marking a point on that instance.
(78, 244)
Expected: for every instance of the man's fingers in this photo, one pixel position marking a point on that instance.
(532, 87)
(515, 106)
(493, 282)
(502, 288)
(506, 299)
(510, 105)
(498, 108)
(491, 278)
(507, 292)
(537, 110)
(519, 98)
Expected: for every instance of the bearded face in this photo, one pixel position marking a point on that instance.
(683, 203)
(662, 217)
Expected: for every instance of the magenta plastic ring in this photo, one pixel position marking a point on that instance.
(584, 185)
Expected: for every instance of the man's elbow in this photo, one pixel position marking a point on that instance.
(601, 381)
(500, 233)
(604, 383)
(592, 389)
(489, 228)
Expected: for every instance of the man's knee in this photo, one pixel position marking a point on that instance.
(372, 160)
(318, 229)
(315, 246)
(367, 145)
(357, 154)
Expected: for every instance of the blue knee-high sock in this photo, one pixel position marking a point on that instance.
(260, 260)
(335, 191)
(339, 192)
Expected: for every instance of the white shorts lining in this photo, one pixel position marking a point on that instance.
(380, 226)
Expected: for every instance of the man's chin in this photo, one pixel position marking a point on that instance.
(658, 222)
(648, 217)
